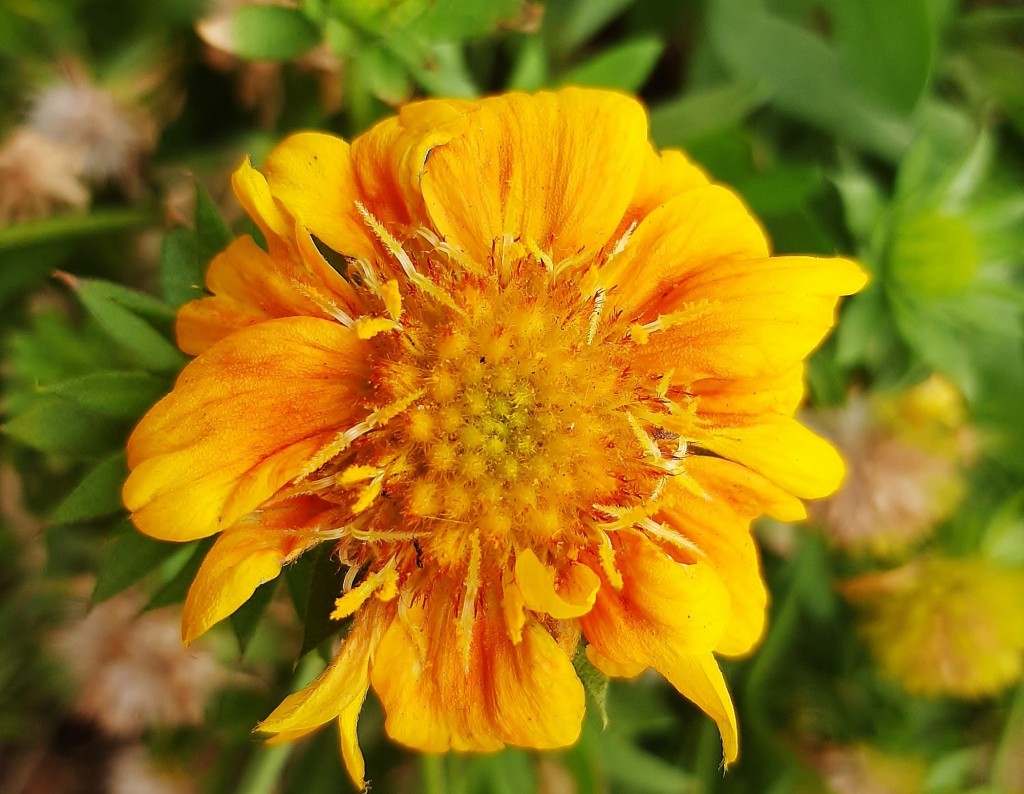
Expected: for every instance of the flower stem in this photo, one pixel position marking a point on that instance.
(432, 770)
(63, 227)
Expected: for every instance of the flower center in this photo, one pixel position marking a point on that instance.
(520, 427)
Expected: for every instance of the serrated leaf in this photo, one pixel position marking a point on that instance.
(61, 427)
(98, 494)
(175, 588)
(625, 66)
(127, 557)
(117, 312)
(701, 113)
(246, 619)
(325, 587)
(119, 394)
(181, 274)
(595, 683)
(269, 33)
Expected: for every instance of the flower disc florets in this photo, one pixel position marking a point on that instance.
(533, 409)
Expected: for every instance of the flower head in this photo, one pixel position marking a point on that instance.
(38, 177)
(941, 626)
(904, 456)
(539, 392)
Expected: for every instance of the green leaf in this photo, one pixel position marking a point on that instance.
(61, 427)
(458, 20)
(116, 310)
(782, 189)
(246, 619)
(98, 494)
(805, 76)
(887, 48)
(127, 557)
(72, 227)
(625, 66)
(181, 274)
(385, 75)
(325, 588)
(933, 255)
(271, 33)
(441, 70)
(530, 69)
(639, 770)
(181, 574)
(701, 113)
(570, 23)
(120, 394)
(212, 234)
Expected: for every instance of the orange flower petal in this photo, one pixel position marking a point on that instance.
(777, 447)
(244, 557)
(390, 156)
(526, 694)
(690, 232)
(574, 597)
(537, 169)
(312, 174)
(344, 682)
(243, 420)
(633, 627)
(664, 176)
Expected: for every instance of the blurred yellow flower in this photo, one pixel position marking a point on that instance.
(547, 387)
(943, 626)
(905, 456)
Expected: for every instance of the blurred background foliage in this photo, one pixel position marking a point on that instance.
(887, 129)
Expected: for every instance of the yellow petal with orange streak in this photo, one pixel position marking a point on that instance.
(691, 231)
(555, 170)
(243, 420)
(525, 694)
(344, 682)
(245, 557)
(664, 176)
(311, 173)
(574, 597)
(736, 305)
(389, 157)
(667, 615)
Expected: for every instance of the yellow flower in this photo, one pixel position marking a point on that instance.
(944, 626)
(905, 456)
(544, 392)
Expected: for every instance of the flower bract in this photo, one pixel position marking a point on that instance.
(530, 379)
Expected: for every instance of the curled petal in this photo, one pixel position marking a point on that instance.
(573, 597)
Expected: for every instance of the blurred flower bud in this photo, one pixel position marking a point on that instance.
(38, 177)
